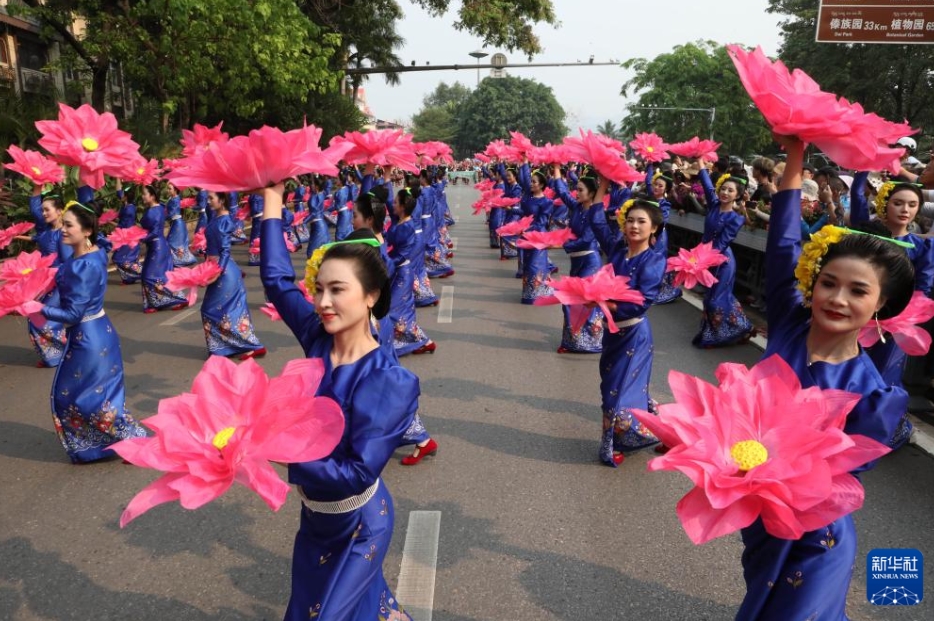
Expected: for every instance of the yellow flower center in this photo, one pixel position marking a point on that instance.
(25, 271)
(36, 170)
(223, 437)
(748, 454)
(89, 144)
(692, 260)
(140, 171)
(650, 149)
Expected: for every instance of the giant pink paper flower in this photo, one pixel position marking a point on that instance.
(794, 105)
(482, 157)
(20, 295)
(88, 140)
(599, 288)
(501, 150)
(189, 202)
(140, 170)
(384, 147)
(228, 428)
(7, 234)
(757, 446)
(543, 240)
(36, 167)
(23, 264)
(198, 241)
(905, 327)
(693, 266)
(107, 217)
(549, 154)
(434, 151)
(650, 147)
(263, 158)
(515, 228)
(695, 147)
(130, 236)
(200, 275)
(484, 186)
(592, 149)
(521, 144)
(200, 138)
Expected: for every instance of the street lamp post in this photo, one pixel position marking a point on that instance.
(478, 54)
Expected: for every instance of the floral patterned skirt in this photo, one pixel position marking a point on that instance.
(228, 327)
(49, 340)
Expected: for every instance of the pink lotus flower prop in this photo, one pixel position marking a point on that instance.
(383, 147)
(599, 288)
(107, 217)
(130, 236)
(201, 275)
(693, 266)
(695, 147)
(484, 186)
(650, 147)
(434, 151)
(36, 167)
(548, 154)
(172, 163)
(501, 150)
(544, 240)
(482, 157)
(591, 149)
(521, 144)
(198, 139)
(189, 202)
(20, 295)
(758, 445)
(254, 247)
(7, 234)
(794, 105)
(141, 171)
(24, 264)
(905, 328)
(270, 311)
(263, 158)
(88, 140)
(228, 428)
(515, 228)
(199, 242)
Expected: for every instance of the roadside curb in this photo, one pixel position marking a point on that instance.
(923, 434)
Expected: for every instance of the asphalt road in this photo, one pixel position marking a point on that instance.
(532, 527)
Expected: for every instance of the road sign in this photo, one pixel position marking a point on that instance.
(876, 21)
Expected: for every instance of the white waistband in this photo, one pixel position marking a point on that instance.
(580, 253)
(406, 262)
(317, 219)
(417, 231)
(343, 209)
(88, 318)
(628, 323)
(178, 217)
(426, 215)
(339, 506)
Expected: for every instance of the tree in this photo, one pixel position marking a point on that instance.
(894, 81)
(695, 75)
(501, 105)
(609, 129)
(444, 96)
(437, 120)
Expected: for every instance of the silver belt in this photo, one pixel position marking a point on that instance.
(88, 318)
(179, 217)
(628, 323)
(424, 216)
(343, 209)
(406, 262)
(317, 219)
(418, 231)
(580, 253)
(339, 506)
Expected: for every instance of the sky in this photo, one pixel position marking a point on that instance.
(608, 29)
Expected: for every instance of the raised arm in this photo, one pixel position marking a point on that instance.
(859, 205)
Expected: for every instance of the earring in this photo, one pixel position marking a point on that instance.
(87, 243)
(879, 328)
(372, 317)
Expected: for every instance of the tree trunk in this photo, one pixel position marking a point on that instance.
(99, 87)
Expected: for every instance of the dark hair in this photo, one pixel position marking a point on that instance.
(405, 197)
(764, 165)
(86, 218)
(668, 182)
(372, 208)
(589, 182)
(898, 280)
(740, 181)
(223, 197)
(368, 268)
(907, 186)
(55, 198)
(137, 193)
(651, 208)
(542, 180)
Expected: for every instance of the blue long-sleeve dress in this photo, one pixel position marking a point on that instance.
(49, 340)
(808, 578)
(317, 225)
(588, 226)
(723, 321)
(536, 268)
(178, 234)
(203, 211)
(497, 215)
(407, 334)
(626, 360)
(256, 203)
(301, 209)
(225, 315)
(507, 243)
(337, 559)
(424, 294)
(668, 292)
(158, 262)
(88, 399)
(437, 264)
(344, 224)
(125, 258)
(238, 235)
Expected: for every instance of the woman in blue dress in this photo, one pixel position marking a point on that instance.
(536, 266)
(88, 399)
(342, 198)
(238, 235)
(347, 514)
(49, 340)
(125, 258)
(626, 360)
(158, 257)
(659, 187)
(225, 315)
(201, 203)
(497, 215)
(723, 321)
(255, 201)
(178, 230)
(511, 189)
(424, 294)
(301, 211)
(317, 225)
(588, 223)
(858, 276)
(436, 250)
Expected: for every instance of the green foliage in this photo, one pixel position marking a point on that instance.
(451, 97)
(434, 123)
(608, 128)
(500, 23)
(894, 81)
(694, 75)
(501, 105)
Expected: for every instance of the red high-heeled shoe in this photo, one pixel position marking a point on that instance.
(256, 353)
(618, 458)
(427, 348)
(420, 453)
(150, 311)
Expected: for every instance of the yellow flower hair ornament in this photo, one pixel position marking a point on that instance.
(720, 181)
(812, 254)
(621, 212)
(313, 264)
(882, 198)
